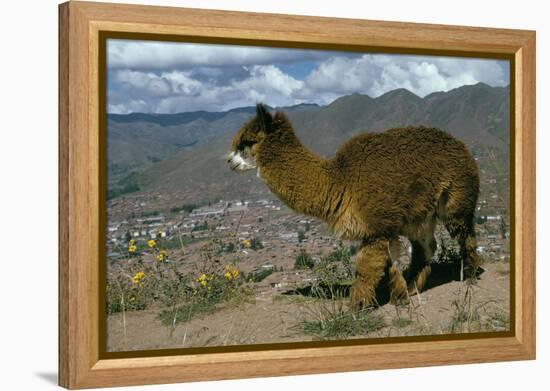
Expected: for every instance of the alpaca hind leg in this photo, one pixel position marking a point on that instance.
(370, 264)
(462, 229)
(419, 270)
(397, 284)
(457, 210)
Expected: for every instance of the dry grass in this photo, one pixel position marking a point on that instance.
(470, 316)
(330, 318)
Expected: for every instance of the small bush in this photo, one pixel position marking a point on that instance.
(343, 324)
(401, 322)
(124, 186)
(256, 244)
(150, 213)
(126, 293)
(335, 268)
(262, 275)
(200, 227)
(496, 320)
(202, 291)
(230, 247)
(330, 318)
(304, 260)
(185, 207)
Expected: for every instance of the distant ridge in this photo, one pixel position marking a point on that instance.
(178, 152)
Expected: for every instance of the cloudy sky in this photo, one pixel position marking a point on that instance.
(162, 77)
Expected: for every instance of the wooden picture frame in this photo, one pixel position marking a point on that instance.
(82, 159)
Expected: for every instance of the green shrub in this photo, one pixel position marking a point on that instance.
(336, 268)
(126, 185)
(122, 294)
(185, 207)
(230, 247)
(149, 213)
(303, 260)
(401, 322)
(262, 274)
(200, 227)
(343, 324)
(256, 244)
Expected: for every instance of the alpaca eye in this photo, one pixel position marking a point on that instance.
(245, 144)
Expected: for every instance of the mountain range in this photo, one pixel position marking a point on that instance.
(186, 151)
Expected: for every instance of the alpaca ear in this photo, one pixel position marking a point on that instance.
(265, 120)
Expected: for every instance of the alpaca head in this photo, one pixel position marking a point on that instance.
(248, 139)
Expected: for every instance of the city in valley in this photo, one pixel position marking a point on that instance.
(264, 234)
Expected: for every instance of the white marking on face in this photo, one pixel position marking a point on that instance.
(237, 162)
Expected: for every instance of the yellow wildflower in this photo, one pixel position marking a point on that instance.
(152, 243)
(202, 279)
(132, 248)
(138, 277)
(231, 272)
(132, 241)
(161, 256)
(246, 243)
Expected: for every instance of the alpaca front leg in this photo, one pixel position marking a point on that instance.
(370, 263)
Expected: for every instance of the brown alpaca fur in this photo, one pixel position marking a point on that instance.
(377, 186)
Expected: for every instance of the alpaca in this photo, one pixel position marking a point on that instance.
(376, 187)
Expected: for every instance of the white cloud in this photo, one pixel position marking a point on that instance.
(149, 83)
(377, 74)
(177, 91)
(133, 106)
(165, 84)
(341, 75)
(174, 77)
(150, 55)
(182, 83)
(267, 83)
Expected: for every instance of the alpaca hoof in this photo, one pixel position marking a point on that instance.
(471, 274)
(360, 297)
(399, 293)
(413, 289)
(400, 299)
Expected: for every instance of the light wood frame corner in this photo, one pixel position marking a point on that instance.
(80, 164)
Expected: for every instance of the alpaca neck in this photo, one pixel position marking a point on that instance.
(296, 175)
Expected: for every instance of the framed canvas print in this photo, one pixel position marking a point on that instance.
(248, 195)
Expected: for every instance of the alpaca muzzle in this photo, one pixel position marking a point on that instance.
(238, 163)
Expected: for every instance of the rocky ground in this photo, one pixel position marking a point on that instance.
(272, 317)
